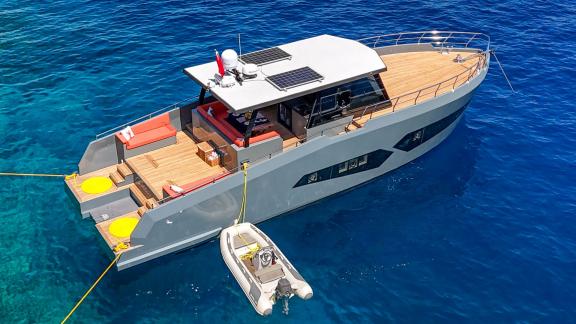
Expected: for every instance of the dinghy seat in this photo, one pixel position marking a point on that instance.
(270, 273)
(243, 241)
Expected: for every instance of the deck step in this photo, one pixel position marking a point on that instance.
(138, 195)
(124, 170)
(142, 210)
(116, 177)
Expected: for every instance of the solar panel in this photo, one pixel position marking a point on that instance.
(266, 56)
(294, 78)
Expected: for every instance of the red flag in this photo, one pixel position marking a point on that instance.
(220, 64)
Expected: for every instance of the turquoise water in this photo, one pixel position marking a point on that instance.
(480, 229)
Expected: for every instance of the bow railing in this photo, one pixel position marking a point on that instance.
(436, 38)
(426, 93)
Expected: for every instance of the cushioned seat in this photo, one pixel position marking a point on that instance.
(218, 120)
(270, 273)
(150, 131)
(151, 136)
(194, 185)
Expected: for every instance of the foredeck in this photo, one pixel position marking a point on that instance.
(414, 77)
(176, 164)
(408, 72)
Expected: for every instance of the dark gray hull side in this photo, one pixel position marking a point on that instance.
(200, 215)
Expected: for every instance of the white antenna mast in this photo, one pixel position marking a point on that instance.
(239, 45)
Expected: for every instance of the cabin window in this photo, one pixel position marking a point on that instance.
(358, 164)
(419, 136)
(363, 159)
(353, 164)
(312, 177)
(365, 92)
(329, 104)
(343, 167)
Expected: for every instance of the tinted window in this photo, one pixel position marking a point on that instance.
(419, 136)
(361, 163)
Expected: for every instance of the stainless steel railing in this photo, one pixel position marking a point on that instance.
(393, 103)
(436, 38)
(178, 104)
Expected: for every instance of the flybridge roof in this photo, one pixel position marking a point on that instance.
(336, 60)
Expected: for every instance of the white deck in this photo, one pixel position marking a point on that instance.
(337, 59)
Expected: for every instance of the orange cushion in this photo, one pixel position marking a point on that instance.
(159, 128)
(151, 136)
(258, 138)
(219, 121)
(194, 185)
(221, 125)
(156, 122)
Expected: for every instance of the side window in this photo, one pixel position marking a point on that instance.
(313, 177)
(343, 167)
(365, 92)
(363, 159)
(353, 164)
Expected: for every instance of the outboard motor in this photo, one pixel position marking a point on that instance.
(284, 291)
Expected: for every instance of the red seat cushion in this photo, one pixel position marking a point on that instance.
(194, 185)
(151, 136)
(156, 122)
(218, 120)
(149, 131)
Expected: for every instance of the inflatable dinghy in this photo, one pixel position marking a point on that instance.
(260, 268)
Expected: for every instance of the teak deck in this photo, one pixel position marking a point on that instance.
(75, 184)
(410, 72)
(110, 239)
(176, 164)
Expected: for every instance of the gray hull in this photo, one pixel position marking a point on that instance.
(272, 184)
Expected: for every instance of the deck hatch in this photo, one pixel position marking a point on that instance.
(265, 56)
(294, 78)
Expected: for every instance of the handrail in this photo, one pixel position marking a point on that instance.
(395, 101)
(434, 37)
(147, 116)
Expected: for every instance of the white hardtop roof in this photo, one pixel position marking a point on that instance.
(337, 59)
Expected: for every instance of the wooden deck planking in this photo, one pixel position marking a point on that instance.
(410, 72)
(75, 184)
(110, 239)
(175, 164)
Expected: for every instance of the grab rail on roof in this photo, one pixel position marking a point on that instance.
(437, 38)
(178, 104)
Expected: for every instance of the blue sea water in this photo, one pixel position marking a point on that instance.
(481, 229)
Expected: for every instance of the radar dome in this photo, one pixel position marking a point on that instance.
(229, 59)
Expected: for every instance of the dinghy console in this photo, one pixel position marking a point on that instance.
(264, 258)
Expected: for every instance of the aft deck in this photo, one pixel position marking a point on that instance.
(75, 184)
(177, 164)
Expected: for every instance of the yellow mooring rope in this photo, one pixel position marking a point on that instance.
(91, 288)
(242, 217)
(14, 174)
